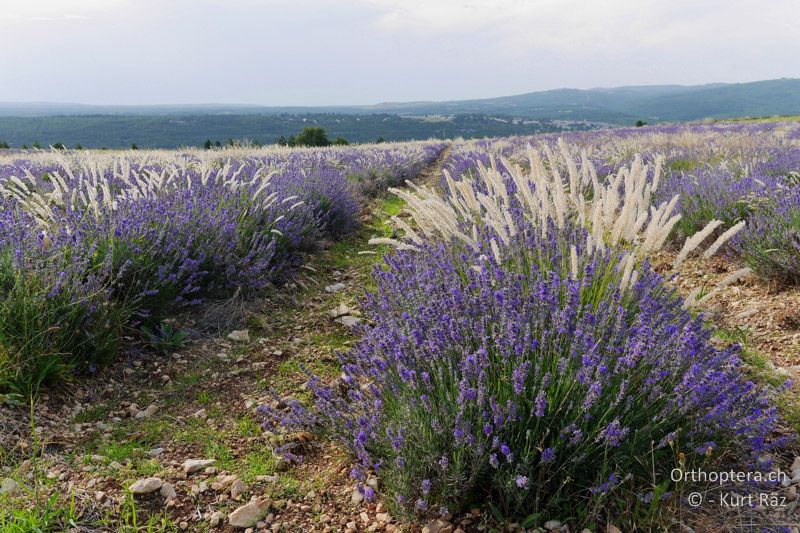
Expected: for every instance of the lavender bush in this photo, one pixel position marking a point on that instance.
(770, 244)
(90, 246)
(55, 307)
(714, 193)
(519, 383)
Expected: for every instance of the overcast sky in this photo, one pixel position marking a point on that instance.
(306, 52)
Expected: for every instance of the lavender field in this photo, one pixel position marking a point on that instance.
(521, 333)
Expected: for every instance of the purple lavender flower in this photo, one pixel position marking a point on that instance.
(425, 486)
(613, 433)
(541, 404)
(548, 455)
(369, 494)
(520, 373)
(494, 461)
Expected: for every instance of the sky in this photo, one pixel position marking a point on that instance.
(314, 52)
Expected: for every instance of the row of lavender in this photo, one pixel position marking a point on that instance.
(94, 244)
(525, 354)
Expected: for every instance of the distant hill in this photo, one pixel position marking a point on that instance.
(624, 105)
(561, 109)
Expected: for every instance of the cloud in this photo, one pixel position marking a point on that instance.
(581, 25)
(26, 11)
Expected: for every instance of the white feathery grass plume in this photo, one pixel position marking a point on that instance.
(722, 239)
(573, 256)
(659, 164)
(691, 300)
(694, 241)
(746, 314)
(400, 245)
(663, 233)
(408, 231)
(634, 278)
(630, 261)
(572, 168)
(616, 212)
(728, 280)
(496, 251)
(19, 183)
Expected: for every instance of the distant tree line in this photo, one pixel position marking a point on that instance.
(311, 136)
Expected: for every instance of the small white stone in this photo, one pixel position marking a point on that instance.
(216, 519)
(349, 321)
(147, 413)
(552, 524)
(193, 465)
(239, 335)
(341, 310)
(435, 526)
(8, 486)
(248, 515)
(146, 485)
(168, 491)
(237, 488)
(155, 452)
(336, 287)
